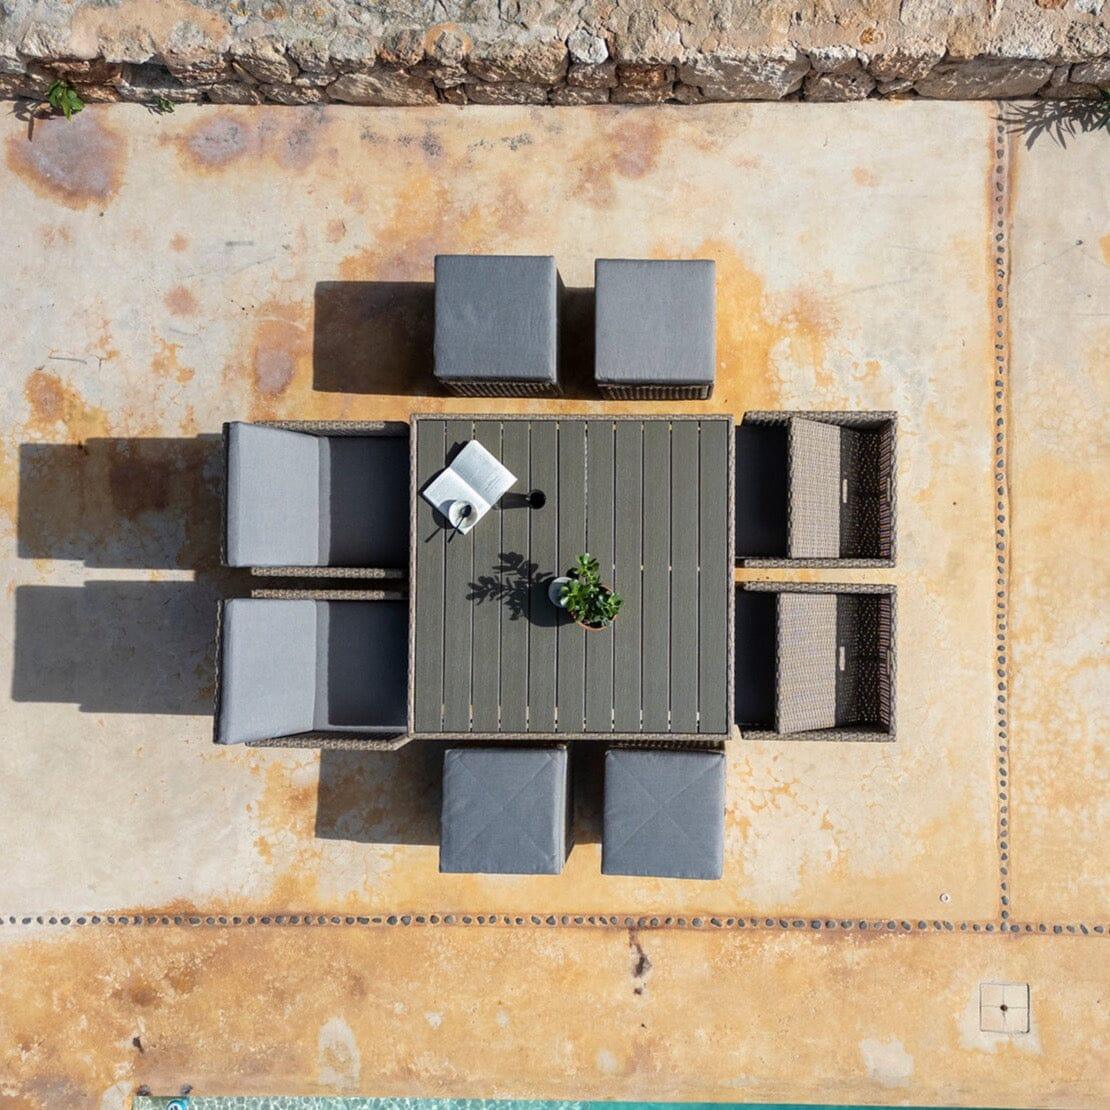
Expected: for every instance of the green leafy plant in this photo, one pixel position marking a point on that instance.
(62, 97)
(162, 106)
(586, 599)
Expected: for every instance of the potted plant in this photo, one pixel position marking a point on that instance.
(591, 604)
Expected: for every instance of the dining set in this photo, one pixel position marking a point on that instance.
(424, 577)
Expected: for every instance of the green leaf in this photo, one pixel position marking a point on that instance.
(62, 97)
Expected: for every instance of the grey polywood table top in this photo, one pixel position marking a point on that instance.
(652, 499)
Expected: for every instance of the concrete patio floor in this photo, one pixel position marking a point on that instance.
(165, 274)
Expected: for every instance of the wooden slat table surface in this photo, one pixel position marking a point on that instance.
(652, 499)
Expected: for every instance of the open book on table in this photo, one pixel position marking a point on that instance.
(475, 477)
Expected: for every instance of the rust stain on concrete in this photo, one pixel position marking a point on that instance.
(180, 301)
(299, 1012)
(225, 139)
(278, 359)
(632, 147)
(217, 141)
(166, 362)
(56, 407)
(77, 162)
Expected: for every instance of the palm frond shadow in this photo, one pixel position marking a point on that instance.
(1058, 120)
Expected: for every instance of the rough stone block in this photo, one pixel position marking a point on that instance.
(905, 63)
(294, 94)
(507, 92)
(602, 76)
(96, 94)
(586, 48)
(23, 85)
(752, 78)
(687, 94)
(834, 59)
(141, 84)
(645, 76)
(192, 70)
(312, 53)
(353, 51)
(839, 86)
(231, 92)
(566, 95)
(403, 47)
(984, 79)
(539, 62)
(265, 60)
(93, 72)
(900, 87)
(389, 87)
(10, 61)
(1092, 73)
(621, 95)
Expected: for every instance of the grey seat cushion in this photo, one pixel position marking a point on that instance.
(814, 512)
(267, 669)
(664, 813)
(289, 666)
(505, 811)
(297, 499)
(656, 321)
(273, 497)
(496, 317)
(361, 665)
(805, 696)
(364, 500)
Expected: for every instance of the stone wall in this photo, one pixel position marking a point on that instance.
(550, 52)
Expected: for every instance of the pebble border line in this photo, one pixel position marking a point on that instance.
(1000, 193)
(1000, 243)
(604, 921)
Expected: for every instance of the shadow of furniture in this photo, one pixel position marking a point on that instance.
(305, 668)
(816, 489)
(317, 499)
(815, 661)
(373, 337)
(114, 502)
(116, 646)
(377, 337)
(380, 797)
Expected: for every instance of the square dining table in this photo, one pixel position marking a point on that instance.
(651, 498)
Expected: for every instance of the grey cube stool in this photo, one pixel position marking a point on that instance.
(301, 672)
(506, 811)
(656, 331)
(664, 813)
(496, 324)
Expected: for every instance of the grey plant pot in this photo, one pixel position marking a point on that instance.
(555, 591)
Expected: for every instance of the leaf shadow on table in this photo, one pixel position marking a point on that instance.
(520, 586)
